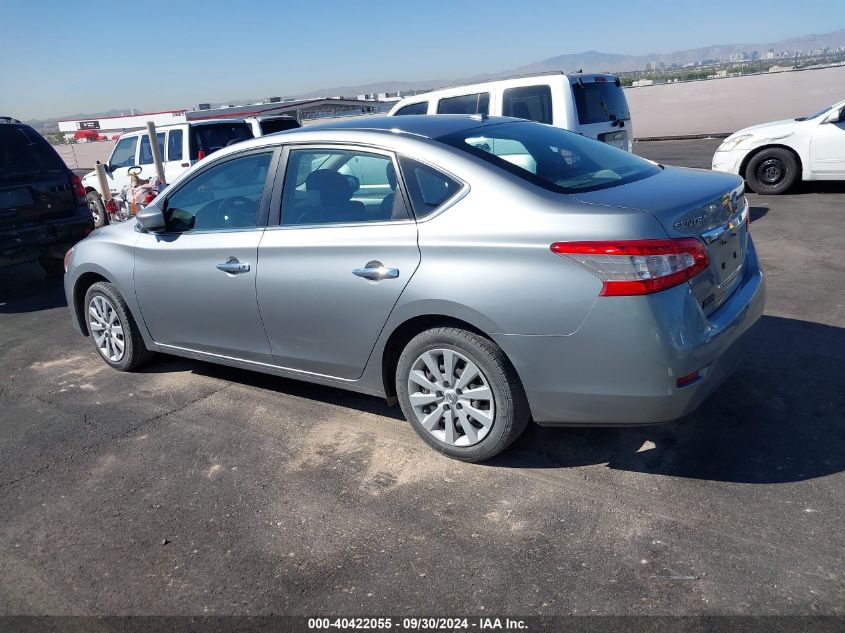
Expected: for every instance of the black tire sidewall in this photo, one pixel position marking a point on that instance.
(134, 350)
(94, 198)
(511, 414)
(789, 162)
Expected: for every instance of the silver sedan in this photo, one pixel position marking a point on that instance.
(481, 271)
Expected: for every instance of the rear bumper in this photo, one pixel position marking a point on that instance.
(51, 238)
(621, 366)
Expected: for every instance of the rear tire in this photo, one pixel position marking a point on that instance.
(113, 330)
(489, 400)
(772, 171)
(98, 209)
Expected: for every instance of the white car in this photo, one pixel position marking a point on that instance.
(774, 156)
(180, 145)
(593, 105)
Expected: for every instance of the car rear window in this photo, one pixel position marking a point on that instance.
(24, 151)
(550, 157)
(211, 137)
(277, 125)
(599, 102)
(465, 104)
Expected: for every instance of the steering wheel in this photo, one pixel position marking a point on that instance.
(237, 211)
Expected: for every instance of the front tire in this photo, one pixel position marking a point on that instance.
(98, 209)
(460, 394)
(772, 171)
(113, 330)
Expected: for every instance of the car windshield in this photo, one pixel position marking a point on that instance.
(23, 151)
(550, 157)
(813, 116)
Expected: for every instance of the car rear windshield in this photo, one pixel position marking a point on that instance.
(550, 157)
(211, 137)
(23, 152)
(599, 102)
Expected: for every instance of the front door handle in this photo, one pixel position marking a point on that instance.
(233, 266)
(376, 271)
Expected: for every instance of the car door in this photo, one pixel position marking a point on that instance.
(335, 262)
(195, 280)
(176, 161)
(827, 147)
(123, 156)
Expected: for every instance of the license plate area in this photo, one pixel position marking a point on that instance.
(15, 198)
(618, 140)
(725, 246)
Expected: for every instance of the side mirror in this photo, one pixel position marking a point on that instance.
(151, 218)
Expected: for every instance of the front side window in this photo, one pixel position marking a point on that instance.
(327, 186)
(414, 108)
(124, 153)
(528, 102)
(145, 156)
(552, 158)
(428, 188)
(174, 145)
(224, 196)
(465, 104)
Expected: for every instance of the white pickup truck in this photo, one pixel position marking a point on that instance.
(180, 145)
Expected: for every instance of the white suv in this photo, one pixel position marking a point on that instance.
(774, 156)
(180, 145)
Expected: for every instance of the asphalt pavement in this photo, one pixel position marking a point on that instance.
(188, 488)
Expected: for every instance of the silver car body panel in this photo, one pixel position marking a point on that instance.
(483, 260)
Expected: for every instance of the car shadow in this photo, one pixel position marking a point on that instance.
(755, 213)
(780, 418)
(26, 288)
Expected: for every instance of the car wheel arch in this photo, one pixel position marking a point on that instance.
(80, 288)
(744, 165)
(407, 330)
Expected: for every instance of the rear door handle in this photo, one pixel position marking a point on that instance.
(376, 271)
(233, 267)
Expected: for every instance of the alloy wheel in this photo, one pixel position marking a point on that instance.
(106, 328)
(451, 397)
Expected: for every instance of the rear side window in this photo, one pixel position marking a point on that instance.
(24, 151)
(414, 108)
(146, 154)
(528, 102)
(210, 138)
(174, 145)
(465, 104)
(600, 102)
(428, 188)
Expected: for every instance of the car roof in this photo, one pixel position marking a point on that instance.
(430, 126)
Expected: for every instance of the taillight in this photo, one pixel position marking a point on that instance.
(78, 187)
(637, 267)
(68, 257)
(200, 155)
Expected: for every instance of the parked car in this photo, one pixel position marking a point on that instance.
(42, 202)
(263, 125)
(483, 272)
(772, 157)
(592, 105)
(180, 145)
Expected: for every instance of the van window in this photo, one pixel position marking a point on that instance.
(528, 102)
(414, 108)
(465, 104)
(599, 102)
(210, 137)
(146, 154)
(174, 145)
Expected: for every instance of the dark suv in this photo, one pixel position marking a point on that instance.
(43, 209)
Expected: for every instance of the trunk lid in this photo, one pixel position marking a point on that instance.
(709, 206)
(34, 181)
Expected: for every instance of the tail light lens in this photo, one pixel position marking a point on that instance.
(637, 267)
(78, 187)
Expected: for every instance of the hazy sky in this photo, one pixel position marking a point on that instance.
(59, 57)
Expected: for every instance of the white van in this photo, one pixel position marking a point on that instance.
(591, 105)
